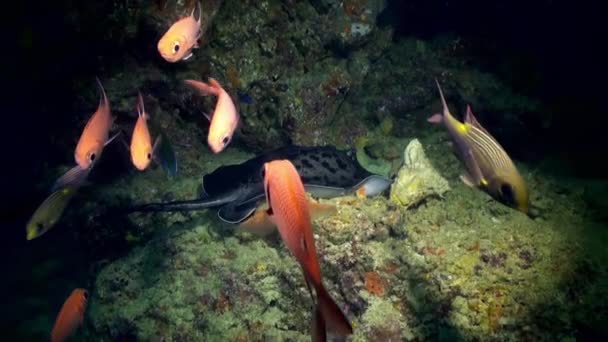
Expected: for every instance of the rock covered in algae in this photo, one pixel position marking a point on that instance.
(417, 179)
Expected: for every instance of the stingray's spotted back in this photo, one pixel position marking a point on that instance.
(325, 166)
(328, 166)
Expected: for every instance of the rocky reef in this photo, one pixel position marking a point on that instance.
(458, 267)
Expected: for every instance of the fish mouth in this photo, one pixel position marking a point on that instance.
(168, 58)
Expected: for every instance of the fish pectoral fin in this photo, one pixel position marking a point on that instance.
(318, 210)
(125, 143)
(112, 138)
(75, 177)
(467, 180)
(475, 173)
(156, 144)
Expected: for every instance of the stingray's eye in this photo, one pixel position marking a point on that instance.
(226, 140)
(175, 47)
(507, 193)
(149, 156)
(92, 157)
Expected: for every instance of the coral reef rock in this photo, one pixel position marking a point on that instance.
(417, 179)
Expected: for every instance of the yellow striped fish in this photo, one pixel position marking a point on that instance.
(49, 212)
(488, 165)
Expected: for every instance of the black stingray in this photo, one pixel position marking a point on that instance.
(237, 190)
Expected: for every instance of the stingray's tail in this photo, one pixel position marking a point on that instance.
(189, 205)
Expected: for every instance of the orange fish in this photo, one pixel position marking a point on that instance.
(225, 118)
(289, 211)
(179, 40)
(71, 315)
(92, 141)
(94, 137)
(141, 148)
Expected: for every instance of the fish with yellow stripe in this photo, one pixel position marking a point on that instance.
(487, 164)
(50, 211)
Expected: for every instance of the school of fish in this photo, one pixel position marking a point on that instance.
(287, 207)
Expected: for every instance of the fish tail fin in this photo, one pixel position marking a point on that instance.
(436, 118)
(318, 330)
(332, 316)
(203, 88)
(75, 177)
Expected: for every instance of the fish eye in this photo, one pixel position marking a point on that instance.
(175, 47)
(39, 226)
(225, 140)
(92, 157)
(85, 294)
(149, 156)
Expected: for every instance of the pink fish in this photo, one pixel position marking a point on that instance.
(225, 118)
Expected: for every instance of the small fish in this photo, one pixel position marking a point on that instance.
(141, 147)
(70, 316)
(94, 137)
(49, 212)
(166, 154)
(488, 165)
(245, 98)
(179, 40)
(288, 210)
(225, 119)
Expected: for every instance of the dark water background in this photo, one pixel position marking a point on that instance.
(550, 50)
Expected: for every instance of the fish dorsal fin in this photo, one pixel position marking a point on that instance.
(141, 110)
(446, 110)
(103, 100)
(214, 83)
(470, 119)
(198, 18)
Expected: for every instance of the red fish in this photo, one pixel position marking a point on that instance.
(225, 118)
(71, 315)
(288, 209)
